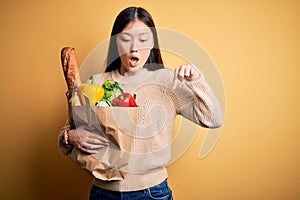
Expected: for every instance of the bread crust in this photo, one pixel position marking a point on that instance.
(70, 67)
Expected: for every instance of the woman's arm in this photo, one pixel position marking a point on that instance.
(83, 138)
(197, 101)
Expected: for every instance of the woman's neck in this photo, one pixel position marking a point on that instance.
(133, 72)
(131, 77)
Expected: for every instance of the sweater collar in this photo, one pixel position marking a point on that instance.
(131, 79)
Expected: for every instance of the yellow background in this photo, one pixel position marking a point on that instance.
(255, 45)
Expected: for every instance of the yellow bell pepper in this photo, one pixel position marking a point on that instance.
(93, 91)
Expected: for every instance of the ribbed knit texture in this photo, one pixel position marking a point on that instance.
(158, 106)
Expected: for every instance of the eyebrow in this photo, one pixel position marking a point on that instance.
(142, 33)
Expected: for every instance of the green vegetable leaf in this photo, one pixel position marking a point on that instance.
(112, 89)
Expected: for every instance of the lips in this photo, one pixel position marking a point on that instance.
(133, 60)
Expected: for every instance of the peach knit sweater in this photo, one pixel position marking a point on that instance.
(158, 105)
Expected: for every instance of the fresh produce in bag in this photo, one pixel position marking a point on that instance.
(112, 121)
(124, 100)
(93, 92)
(109, 94)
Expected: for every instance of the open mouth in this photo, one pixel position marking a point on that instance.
(134, 60)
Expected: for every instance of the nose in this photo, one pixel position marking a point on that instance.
(134, 46)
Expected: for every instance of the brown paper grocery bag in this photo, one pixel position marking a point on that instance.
(117, 124)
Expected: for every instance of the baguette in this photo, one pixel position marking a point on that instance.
(70, 67)
(71, 73)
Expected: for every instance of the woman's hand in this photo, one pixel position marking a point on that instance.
(87, 139)
(185, 72)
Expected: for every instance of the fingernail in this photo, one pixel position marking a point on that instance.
(106, 143)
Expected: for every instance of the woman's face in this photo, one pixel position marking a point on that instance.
(134, 45)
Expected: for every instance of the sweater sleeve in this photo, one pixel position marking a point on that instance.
(198, 103)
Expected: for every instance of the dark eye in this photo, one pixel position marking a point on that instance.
(125, 40)
(143, 40)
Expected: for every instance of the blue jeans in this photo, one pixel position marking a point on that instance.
(157, 192)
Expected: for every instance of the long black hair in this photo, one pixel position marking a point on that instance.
(126, 16)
